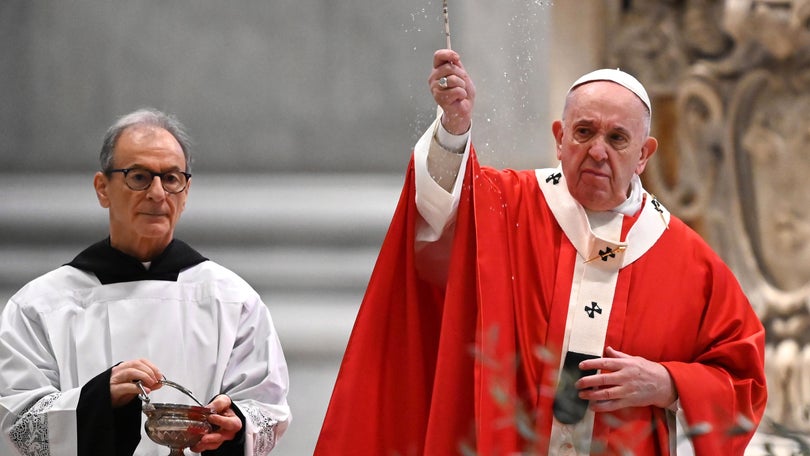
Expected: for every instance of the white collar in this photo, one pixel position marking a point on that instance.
(572, 217)
(633, 202)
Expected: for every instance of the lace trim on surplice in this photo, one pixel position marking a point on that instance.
(265, 438)
(30, 432)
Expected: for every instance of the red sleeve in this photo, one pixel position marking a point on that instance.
(723, 392)
(414, 378)
(384, 396)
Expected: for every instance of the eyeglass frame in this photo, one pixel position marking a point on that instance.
(126, 171)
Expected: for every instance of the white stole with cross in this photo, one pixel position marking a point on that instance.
(600, 257)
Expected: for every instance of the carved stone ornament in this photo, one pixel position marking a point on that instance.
(738, 168)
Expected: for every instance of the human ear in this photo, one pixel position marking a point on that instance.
(647, 151)
(557, 131)
(185, 196)
(100, 184)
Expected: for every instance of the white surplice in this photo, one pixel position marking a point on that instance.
(209, 331)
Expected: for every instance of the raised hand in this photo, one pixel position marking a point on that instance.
(453, 90)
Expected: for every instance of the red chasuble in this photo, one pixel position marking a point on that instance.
(469, 367)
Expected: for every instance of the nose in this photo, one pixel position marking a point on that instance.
(598, 150)
(156, 191)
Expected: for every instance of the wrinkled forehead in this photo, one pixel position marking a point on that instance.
(606, 106)
(138, 141)
(147, 136)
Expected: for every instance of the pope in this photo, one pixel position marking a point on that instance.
(547, 311)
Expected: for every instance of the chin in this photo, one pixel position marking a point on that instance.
(595, 202)
(156, 231)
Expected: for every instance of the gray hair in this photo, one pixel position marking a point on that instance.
(149, 117)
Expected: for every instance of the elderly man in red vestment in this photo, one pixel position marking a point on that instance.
(551, 311)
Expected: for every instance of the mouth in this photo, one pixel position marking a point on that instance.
(594, 174)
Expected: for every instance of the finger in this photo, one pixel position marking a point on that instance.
(143, 368)
(454, 90)
(454, 81)
(605, 364)
(592, 364)
(613, 353)
(221, 403)
(210, 441)
(598, 402)
(226, 424)
(450, 101)
(452, 77)
(127, 389)
(152, 369)
(129, 375)
(444, 56)
(440, 84)
(609, 393)
(594, 381)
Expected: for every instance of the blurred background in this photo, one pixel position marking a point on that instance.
(303, 115)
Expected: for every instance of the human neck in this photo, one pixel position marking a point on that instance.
(144, 250)
(634, 199)
(628, 207)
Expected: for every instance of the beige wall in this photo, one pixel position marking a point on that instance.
(269, 86)
(577, 43)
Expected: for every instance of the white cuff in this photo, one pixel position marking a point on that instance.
(450, 142)
(436, 206)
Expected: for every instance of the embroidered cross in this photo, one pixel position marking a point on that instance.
(593, 309)
(657, 205)
(554, 177)
(608, 252)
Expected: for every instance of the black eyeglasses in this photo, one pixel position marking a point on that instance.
(139, 179)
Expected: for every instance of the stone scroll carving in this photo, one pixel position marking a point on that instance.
(731, 89)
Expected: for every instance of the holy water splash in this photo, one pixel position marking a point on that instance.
(504, 46)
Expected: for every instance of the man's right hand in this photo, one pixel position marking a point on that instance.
(124, 375)
(458, 96)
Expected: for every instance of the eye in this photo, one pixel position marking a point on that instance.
(140, 176)
(171, 178)
(582, 134)
(618, 141)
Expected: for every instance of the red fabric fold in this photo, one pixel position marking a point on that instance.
(469, 367)
(423, 372)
